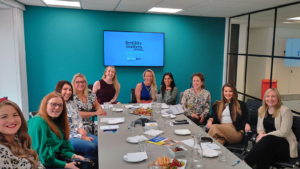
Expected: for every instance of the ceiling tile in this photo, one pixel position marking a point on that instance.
(179, 3)
(136, 8)
(274, 2)
(105, 5)
(33, 2)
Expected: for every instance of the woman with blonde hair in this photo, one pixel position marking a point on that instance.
(275, 139)
(15, 142)
(50, 131)
(146, 91)
(86, 102)
(196, 101)
(229, 118)
(107, 89)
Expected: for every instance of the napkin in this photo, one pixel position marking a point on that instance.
(164, 106)
(153, 132)
(171, 115)
(210, 153)
(134, 138)
(137, 156)
(183, 131)
(114, 121)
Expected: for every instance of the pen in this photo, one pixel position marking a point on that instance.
(236, 163)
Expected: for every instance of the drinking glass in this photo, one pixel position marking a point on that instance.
(125, 111)
(167, 119)
(223, 155)
(142, 144)
(158, 108)
(106, 105)
(130, 126)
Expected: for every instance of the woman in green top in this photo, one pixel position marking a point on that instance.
(50, 132)
(168, 89)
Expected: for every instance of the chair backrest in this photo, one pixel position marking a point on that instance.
(180, 97)
(32, 114)
(296, 128)
(90, 86)
(132, 96)
(253, 106)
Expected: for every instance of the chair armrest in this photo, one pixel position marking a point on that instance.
(253, 139)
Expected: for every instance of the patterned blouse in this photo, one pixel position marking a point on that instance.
(75, 120)
(87, 107)
(9, 161)
(196, 104)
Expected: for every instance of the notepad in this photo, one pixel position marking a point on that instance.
(107, 119)
(109, 127)
(153, 132)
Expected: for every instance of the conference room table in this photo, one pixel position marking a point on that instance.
(113, 146)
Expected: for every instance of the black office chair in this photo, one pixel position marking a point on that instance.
(90, 86)
(132, 96)
(253, 106)
(240, 148)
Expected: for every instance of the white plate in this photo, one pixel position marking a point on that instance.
(118, 109)
(171, 115)
(210, 153)
(134, 142)
(181, 133)
(125, 159)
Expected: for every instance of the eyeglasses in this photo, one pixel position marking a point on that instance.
(77, 82)
(55, 105)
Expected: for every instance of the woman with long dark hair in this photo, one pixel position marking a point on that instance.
(168, 89)
(229, 117)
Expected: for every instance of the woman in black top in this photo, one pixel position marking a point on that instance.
(229, 117)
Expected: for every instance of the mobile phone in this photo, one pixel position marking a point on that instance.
(182, 120)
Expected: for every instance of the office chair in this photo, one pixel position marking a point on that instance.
(132, 96)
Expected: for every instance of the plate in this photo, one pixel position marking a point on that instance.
(131, 141)
(181, 133)
(125, 159)
(210, 153)
(118, 109)
(183, 167)
(171, 115)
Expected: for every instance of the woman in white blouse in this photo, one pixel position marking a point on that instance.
(82, 142)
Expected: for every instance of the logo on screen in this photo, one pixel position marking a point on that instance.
(135, 45)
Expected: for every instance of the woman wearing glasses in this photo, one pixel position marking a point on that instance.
(145, 92)
(86, 102)
(50, 131)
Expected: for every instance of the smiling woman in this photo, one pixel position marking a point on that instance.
(50, 132)
(14, 140)
(145, 91)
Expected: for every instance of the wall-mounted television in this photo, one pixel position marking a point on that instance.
(133, 48)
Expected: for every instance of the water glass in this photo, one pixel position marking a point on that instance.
(167, 119)
(153, 105)
(158, 98)
(106, 105)
(142, 144)
(197, 157)
(158, 108)
(199, 165)
(125, 111)
(113, 110)
(223, 155)
(130, 126)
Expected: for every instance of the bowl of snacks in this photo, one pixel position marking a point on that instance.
(151, 126)
(177, 150)
(168, 163)
(145, 113)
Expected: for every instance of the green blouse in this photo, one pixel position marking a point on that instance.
(170, 97)
(47, 144)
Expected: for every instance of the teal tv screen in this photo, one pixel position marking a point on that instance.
(133, 49)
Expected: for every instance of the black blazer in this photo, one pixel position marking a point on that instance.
(240, 121)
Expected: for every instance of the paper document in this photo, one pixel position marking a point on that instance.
(190, 142)
(108, 119)
(153, 132)
(134, 138)
(176, 109)
(137, 156)
(109, 127)
(164, 106)
(110, 106)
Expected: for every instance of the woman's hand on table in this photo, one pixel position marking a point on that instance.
(101, 112)
(194, 116)
(71, 165)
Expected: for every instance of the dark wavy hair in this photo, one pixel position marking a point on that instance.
(163, 85)
(60, 85)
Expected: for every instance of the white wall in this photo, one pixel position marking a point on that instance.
(13, 83)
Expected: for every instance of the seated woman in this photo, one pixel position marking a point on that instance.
(276, 139)
(85, 100)
(145, 92)
(168, 89)
(15, 143)
(108, 88)
(50, 131)
(196, 101)
(82, 142)
(229, 118)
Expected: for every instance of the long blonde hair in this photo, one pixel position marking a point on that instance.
(23, 149)
(115, 79)
(263, 109)
(86, 89)
(153, 84)
(62, 119)
(235, 105)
